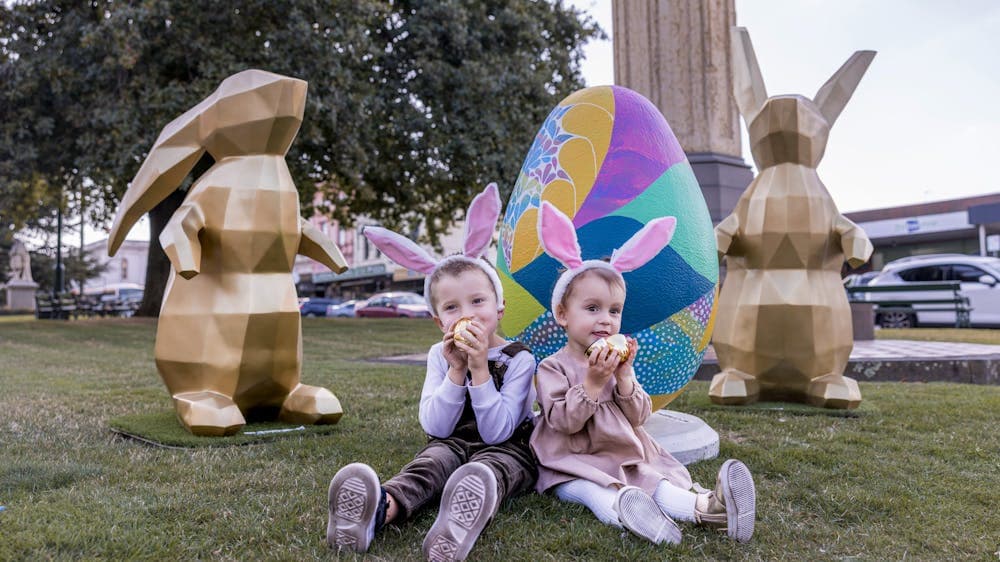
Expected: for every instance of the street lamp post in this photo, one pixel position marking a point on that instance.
(58, 286)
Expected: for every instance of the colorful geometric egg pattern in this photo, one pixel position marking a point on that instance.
(607, 158)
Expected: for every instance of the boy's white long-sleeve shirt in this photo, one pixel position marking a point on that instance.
(498, 412)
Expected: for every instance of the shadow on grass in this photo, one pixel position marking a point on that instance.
(38, 477)
(161, 429)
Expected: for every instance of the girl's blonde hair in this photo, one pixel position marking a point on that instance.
(609, 276)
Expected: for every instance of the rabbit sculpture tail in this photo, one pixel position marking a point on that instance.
(783, 329)
(229, 338)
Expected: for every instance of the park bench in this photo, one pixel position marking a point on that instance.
(125, 307)
(86, 306)
(45, 306)
(115, 307)
(67, 306)
(58, 307)
(950, 299)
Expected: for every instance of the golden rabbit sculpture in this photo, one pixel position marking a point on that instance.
(783, 330)
(229, 339)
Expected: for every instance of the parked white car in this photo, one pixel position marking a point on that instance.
(978, 276)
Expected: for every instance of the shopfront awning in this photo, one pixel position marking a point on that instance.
(360, 272)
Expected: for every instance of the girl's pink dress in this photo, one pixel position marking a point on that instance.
(601, 441)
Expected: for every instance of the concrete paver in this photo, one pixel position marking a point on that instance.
(877, 360)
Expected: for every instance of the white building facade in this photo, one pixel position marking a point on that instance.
(128, 265)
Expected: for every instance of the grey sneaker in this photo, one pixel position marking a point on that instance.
(639, 513)
(732, 504)
(468, 503)
(357, 502)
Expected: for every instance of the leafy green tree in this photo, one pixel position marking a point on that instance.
(413, 104)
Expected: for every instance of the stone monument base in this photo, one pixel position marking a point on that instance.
(21, 294)
(722, 179)
(686, 437)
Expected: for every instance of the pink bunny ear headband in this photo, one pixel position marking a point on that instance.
(480, 222)
(558, 237)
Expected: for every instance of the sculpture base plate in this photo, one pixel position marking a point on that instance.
(686, 437)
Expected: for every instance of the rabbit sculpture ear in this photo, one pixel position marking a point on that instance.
(400, 249)
(748, 84)
(185, 139)
(834, 95)
(558, 236)
(481, 221)
(644, 245)
(174, 154)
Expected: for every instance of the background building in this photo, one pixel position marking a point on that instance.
(370, 271)
(970, 225)
(128, 265)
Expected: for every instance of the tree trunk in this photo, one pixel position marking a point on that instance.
(157, 264)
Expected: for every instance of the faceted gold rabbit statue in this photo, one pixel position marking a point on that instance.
(229, 339)
(783, 330)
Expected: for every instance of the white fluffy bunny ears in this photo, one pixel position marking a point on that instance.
(558, 237)
(480, 222)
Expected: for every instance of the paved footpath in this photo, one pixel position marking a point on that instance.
(887, 350)
(910, 349)
(889, 360)
(896, 350)
(908, 361)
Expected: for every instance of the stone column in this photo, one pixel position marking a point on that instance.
(676, 53)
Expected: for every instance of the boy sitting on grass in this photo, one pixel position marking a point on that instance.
(475, 407)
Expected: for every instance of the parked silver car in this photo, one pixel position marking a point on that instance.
(978, 276)
(860, 279)
(342, 310)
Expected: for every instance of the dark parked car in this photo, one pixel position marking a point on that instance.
(342, 310)
(399, 305)
(314, 306)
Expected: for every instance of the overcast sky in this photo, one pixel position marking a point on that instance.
(924, 123)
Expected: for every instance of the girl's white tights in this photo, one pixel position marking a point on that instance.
(596, 498)
(676, 502)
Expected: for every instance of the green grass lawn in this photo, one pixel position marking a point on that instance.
(915, 475)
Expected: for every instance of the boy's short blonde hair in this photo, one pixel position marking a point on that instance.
(454, 268)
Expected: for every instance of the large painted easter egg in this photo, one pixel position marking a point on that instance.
(607, 158)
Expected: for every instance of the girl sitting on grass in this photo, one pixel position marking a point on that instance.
(589, 440)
